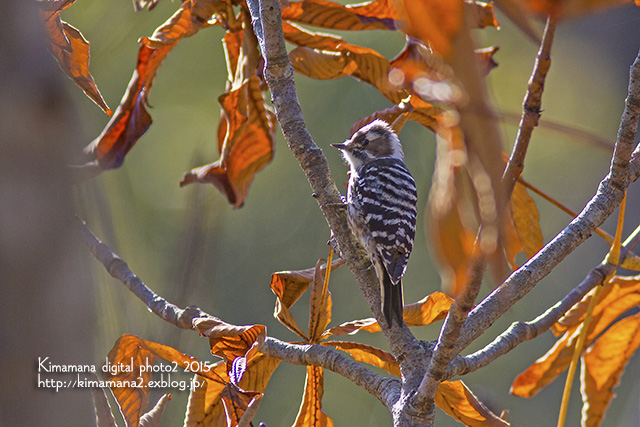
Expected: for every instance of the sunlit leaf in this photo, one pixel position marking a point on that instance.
(138, 5)
(288, 286)
(602, 366)
(319, 305)
(231, 341)
(512, 246)
(235, 402)
(435, 22)
(615, 299)
(189, 19)
(621, 294)
(485, 58)
(458, 401)
(131, 119)
(375, 15)
(71, 50)
(206, 408)
(247, 143)
(526, 220)
(368, 354)
(430, 309)
(129, 360)
(310, 413)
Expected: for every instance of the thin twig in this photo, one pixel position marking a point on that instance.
(532, 107)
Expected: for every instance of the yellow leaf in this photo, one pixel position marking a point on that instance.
(526, 220)
(458, 401)
(368, 354)
(603, 364)
(310, 413)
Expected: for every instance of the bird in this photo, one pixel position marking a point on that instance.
(381, 208)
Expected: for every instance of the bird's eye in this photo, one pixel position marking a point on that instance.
(365, 142)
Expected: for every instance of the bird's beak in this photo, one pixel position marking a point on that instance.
(340, 146)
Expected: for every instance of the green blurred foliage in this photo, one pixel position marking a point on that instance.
(189, 246)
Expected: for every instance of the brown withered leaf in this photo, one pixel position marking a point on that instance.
(288, 286)
(235, 402)
(428, 310)
(152, 418)
(130, 357)
(231, 341)
(526, 220)
(375, 15)
(481, 15)
(615, 299)
(485, 58)
(602, 366)
(368, 354)
(512, 246)
(302, 37)
(435, 22)
(319, 304)
(131, 119)
(310, 412)
(205, 406)
(248, 147)
(621, 294)
(459, 402)
(71, 50)
(361, 63)
(188, 20)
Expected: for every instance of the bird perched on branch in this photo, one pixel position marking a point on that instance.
(381, 207)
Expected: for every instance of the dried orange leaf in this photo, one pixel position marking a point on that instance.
(319, 305)
(288, 286)
(631, 262)
(368, 354)
(131, 119)
(485, 58)
(349, 328)
(235, 402)
(546, 368)
(375, 15)
(188, 20)
(71, 50)
(231, 341)
(481, 15)
(129, 360)
(458, 401)
(310, 413)
(435, 22)
(430, 309)
(615, 299)
(206, 408)
(246, 143)
(602, 366)
(621, 294)
(512, 246)
(526, 220)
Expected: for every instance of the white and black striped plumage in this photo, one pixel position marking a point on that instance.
(381, 207)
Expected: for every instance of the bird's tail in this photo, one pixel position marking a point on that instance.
(392, 305)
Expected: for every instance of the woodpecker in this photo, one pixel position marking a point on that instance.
(381, 207)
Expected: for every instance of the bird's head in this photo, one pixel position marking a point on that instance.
(373, 141)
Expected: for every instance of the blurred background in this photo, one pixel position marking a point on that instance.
(191, 247)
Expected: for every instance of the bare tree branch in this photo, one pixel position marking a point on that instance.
(598, 209)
